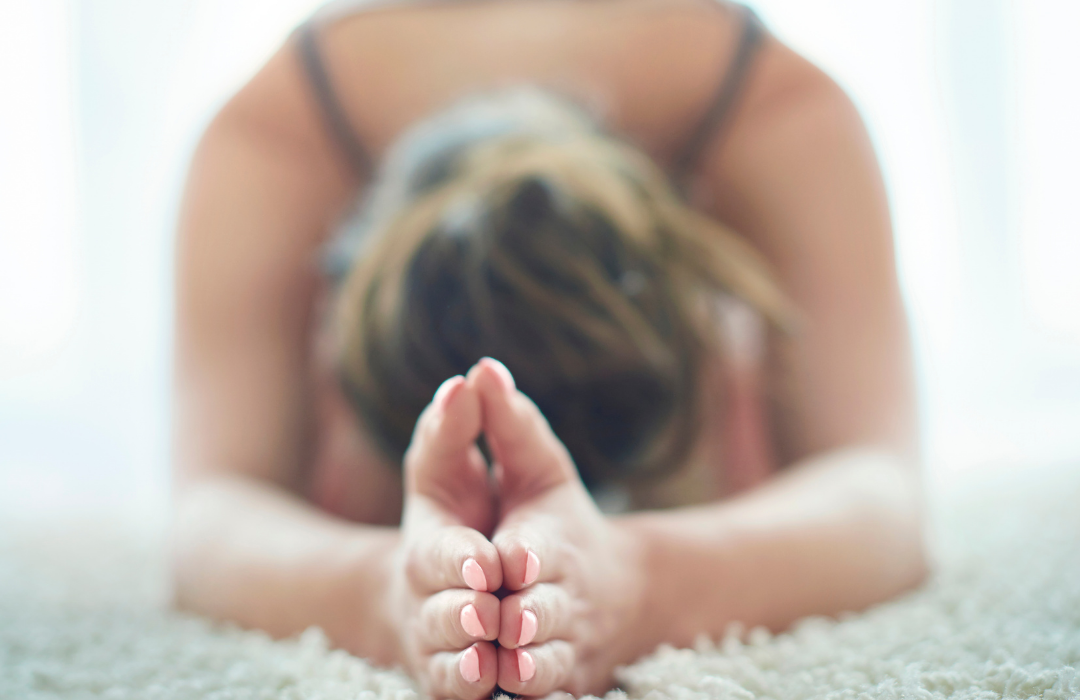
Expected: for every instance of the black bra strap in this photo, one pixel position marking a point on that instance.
(337, 122)
(724, 100)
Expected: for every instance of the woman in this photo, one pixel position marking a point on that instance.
(543, 239)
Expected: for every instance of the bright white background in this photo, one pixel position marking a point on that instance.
(974, 107)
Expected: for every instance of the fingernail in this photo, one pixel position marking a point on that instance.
(446, 391)
(532, 568)
(470, 665)
(470, 622)
(528, 627)
(526, 665)
(505, 377)
(473, 575)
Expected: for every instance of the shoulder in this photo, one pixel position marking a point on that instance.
(785, 92)
(796, 147)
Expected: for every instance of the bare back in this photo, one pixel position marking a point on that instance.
(648, 69)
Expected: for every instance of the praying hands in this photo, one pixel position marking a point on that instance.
(547, 602)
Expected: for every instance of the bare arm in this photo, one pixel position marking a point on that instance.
(248, 551)
(263, 188)
(836, 533)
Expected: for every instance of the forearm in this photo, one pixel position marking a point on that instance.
(246, 551)
(837, 533)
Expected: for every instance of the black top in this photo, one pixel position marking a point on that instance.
(684, 164)
(723, 101)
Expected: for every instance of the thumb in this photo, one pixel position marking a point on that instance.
(529, 457)
(446, 477)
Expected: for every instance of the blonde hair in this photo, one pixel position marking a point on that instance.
(567, 256)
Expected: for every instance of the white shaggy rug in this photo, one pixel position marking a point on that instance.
(82, 615)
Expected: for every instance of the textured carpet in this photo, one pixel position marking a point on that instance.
(82, 615)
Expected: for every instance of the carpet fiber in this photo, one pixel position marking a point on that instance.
(83, 615)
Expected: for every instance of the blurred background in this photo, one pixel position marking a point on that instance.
(974, 106)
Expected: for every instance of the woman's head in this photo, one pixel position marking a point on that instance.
(561, 252)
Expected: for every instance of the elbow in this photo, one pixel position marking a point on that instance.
(916, 554)
(899, 509)
(910, 557)
(181, 558)
(189, 539)
(886, 497)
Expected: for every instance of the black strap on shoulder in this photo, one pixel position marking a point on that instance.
(723, 101)
(337, 122)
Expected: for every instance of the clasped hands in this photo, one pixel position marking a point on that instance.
(511, 577)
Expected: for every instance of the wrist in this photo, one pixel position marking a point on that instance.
(656, 592)
(685, 592)
(371, 628)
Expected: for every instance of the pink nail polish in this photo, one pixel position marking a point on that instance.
(505, 377)
(446, 392)
(532, 568)
(526, 665)
(528, 627)
(473, 575)
(470, 665)
(470, 622)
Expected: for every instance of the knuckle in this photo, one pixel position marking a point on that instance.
(434, 682)
(431, 611)
(445, 680)
(511, 606)
(466, 536)
(510, 540)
